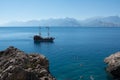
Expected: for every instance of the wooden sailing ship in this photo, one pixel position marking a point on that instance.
(43, 39)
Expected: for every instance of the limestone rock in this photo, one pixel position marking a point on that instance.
(113, 68)
(16, 65)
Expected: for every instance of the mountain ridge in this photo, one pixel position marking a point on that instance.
(110, 21)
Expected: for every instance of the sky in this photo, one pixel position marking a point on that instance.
(23, 10)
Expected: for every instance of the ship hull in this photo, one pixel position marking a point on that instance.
(41, 39)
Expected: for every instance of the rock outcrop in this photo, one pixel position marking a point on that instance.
(113, 67)
(16, 65)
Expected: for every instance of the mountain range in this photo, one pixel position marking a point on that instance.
(110, 21)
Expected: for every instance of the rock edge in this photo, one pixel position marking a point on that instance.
(113, 65)
(16, 65)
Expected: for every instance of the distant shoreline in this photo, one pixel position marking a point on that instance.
(55, 27)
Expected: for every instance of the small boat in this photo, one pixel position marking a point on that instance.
(39, 38)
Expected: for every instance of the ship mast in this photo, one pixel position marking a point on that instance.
(40, 31)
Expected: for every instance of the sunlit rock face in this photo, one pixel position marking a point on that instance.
(113, 65)
(16, 65)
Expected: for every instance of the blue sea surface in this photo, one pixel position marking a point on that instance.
(76, 51)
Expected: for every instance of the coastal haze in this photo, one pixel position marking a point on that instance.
(111, 21)
(102, 13)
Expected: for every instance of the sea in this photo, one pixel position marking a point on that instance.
(77, 53)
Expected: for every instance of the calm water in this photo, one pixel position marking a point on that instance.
(75, 52)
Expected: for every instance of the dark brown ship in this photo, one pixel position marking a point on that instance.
(39, 38)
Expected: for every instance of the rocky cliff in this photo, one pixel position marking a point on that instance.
(16, 65)
(113, 62)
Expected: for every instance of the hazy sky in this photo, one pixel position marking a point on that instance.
(22, 10)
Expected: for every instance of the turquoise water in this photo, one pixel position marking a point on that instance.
(75, 52)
